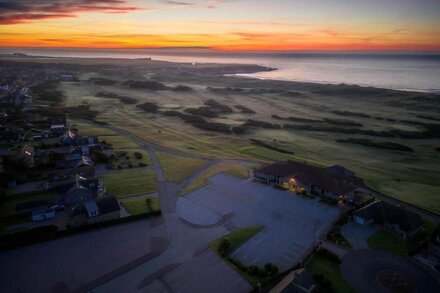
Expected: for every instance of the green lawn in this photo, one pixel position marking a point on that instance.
(232, 168)
(331, 271)
(7, 208)
(176, 168)
(137, 206)
(384, 240)
(238, 238)
(127, 182)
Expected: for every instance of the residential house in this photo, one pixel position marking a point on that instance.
(67, 169)
(85, 150)
(434, 243)
(27, 155)
(79, 191)
(396, 219)
(99, 210)
(43, 214)
(334, 182)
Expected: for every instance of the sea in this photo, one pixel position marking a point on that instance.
(391, 70)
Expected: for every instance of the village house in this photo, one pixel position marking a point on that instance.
(335, 182)
(27, 155)
(398, 220)
(100, 210)
(68, 169)
(79, 191)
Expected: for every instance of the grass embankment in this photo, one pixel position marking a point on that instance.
(327, 273)
(137, 206)
(176, 168)
(123, 183)
(232, 168)
(386, 241)
(236, 239)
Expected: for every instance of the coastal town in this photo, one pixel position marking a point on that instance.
(148, 217)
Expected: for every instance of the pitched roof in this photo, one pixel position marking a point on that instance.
(324, 178)
(91, 208)
(383, 212)
(107, 204)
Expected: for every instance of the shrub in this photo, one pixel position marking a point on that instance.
(148, 203)
(119, 167)
(271, 269)
(138, 155)
(254, 270)
(328, 255)
(224, 246)
(322, 281)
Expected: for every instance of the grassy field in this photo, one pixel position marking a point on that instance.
(177, 169)
(232, 168)
(384, 240)
(411, 177)
(119, 142)
(238, 238)
(331, 271)
(137, 206)
(123, 183)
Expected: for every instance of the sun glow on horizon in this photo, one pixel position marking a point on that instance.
(406, 25)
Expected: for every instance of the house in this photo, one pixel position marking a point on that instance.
(43, 214)
(70, 173)
(333, 182)
(434, 243)
(82, 161)
(85, 150)
(70, 137)
(396, 219)
(99, 210)
(79, 191)
(27, 155)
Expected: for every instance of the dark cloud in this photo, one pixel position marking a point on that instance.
(183, 3)
(19, 11)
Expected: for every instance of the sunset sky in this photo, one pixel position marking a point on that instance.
(409, 25)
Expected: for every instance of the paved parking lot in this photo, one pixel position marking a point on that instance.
(206, 272)
(69, 263)
(292, 223)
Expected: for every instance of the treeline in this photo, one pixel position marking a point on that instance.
(123, 99)
(377, 144)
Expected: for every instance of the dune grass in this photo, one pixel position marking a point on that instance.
(176, 168)
(232, 168)
(123, 183)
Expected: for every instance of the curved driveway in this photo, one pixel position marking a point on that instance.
(360, 269)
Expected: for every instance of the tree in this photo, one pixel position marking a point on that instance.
(271, 269)
(138, 155)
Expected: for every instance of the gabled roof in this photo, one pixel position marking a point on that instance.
(91, 209)
(74, 162)
(383, 212)
(107, 204)
(323, 178)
